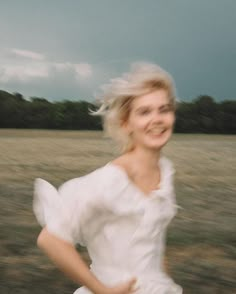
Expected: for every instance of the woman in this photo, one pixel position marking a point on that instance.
(120, 211)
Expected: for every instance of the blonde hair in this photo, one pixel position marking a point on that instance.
(118, 95)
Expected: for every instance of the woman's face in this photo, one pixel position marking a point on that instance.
(151, 120)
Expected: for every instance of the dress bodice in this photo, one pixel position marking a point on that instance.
(122, 228)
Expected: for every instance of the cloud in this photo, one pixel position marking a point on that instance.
(23, 73)
(28, 54)
(83, 70)
(28, 65)
(60, 67)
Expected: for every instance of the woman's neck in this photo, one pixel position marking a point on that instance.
(146, 159)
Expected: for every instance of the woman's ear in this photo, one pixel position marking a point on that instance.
(126, 127)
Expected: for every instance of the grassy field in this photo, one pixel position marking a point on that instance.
(201, 241)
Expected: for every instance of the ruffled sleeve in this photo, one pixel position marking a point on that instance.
(60, 210)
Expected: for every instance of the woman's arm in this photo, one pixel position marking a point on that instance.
(68, 260)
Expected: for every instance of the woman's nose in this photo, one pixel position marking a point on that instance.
(157, 118)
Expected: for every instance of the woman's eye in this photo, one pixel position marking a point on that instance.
(143, 112)
(165, 110)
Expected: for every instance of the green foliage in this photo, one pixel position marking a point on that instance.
(202, 115)
(39, 113)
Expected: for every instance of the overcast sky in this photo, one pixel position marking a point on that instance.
(66, 49)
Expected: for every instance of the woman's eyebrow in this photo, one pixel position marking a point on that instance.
(142, 108)
(165, 105)
(148, 106)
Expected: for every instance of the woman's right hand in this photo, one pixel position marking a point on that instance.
(124, 288)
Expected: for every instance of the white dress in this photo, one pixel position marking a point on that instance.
(122, 228)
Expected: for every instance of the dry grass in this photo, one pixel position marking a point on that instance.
(201, 239)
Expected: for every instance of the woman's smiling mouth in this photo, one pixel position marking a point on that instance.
(157, 131)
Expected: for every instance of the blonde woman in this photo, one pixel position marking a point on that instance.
(120, 211)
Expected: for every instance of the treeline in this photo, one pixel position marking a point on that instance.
(202, 115)
(39, 113)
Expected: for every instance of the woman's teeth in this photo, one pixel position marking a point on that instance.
(157, 132)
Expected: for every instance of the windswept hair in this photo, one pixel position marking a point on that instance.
(118, 95)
